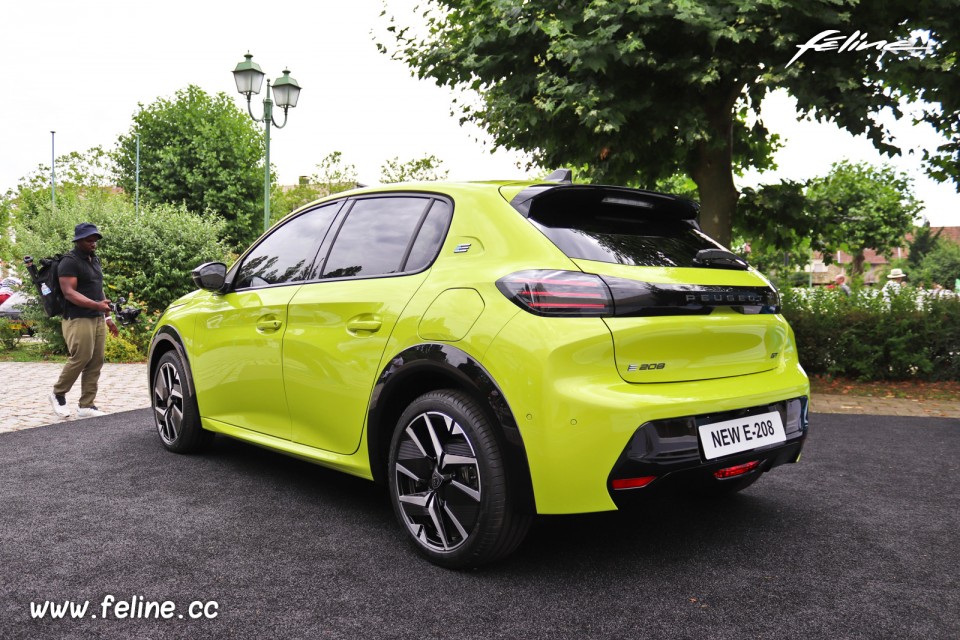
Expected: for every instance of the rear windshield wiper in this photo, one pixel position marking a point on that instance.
(719, 259)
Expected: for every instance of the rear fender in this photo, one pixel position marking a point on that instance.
(427, 367)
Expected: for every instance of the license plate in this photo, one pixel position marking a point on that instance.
(733, 436)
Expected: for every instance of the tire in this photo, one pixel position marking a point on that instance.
(175, 412)
(449, 485)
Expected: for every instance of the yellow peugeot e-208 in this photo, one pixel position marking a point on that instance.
(490, 351)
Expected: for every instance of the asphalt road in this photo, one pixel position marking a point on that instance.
(859, 540)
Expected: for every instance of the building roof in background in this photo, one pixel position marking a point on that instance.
(951, 234)
(948, 233)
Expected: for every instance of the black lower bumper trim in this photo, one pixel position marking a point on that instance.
(670, 451)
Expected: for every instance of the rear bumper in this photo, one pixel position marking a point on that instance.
(669, 451)
(577, 416)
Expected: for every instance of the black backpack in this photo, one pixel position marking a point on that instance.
(47, 281)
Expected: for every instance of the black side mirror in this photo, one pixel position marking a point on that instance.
(210, 276)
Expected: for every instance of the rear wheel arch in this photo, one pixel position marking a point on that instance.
(432, 367)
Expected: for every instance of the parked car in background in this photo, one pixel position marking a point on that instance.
(489, 351)
(12, 306)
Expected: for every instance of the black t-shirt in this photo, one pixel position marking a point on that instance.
(89, 282)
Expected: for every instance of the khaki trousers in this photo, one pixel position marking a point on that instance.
(85, 338)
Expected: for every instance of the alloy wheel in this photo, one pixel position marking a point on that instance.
(168, 402)
(437, 481)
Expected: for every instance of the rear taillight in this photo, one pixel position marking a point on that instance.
(557, 293)
(577, 294)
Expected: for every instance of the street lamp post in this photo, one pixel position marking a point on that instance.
(53, 170)
(249, 78)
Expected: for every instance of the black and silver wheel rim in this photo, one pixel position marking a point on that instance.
(168, 402)
(437, 482)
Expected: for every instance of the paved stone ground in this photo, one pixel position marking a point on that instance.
(123, 387)
(26, 385)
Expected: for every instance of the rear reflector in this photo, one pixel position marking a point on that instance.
(633, 483)
(736, 470)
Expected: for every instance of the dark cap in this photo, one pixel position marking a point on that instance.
(85, 230)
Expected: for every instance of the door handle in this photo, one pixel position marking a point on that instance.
(268, 325)
(365, 323)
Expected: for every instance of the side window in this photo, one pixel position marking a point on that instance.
(432, 233)
(375, 237)
(288, 253)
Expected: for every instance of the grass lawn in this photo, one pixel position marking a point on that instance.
(29, 351)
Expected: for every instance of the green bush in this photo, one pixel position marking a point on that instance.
(876, 335)
(47, 329)
(10, 333)
(147, 258)
(121, 350)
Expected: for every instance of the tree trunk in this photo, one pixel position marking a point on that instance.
(857, 265)
(712, 170)
(718, 194)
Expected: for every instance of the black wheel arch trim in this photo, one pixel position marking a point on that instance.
(445, 363)
(168, 337)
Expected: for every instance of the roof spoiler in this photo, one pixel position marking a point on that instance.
(647, 204)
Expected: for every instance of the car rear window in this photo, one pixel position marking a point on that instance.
(620, 234)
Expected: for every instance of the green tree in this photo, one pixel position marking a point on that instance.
(941, 265)
(923, 242)
(201, 151)
(640, 89)
(79, 176)
(422, 169)
(83, 181)
(679, 185)
(861, 207)
(776, 223)
(333, 175)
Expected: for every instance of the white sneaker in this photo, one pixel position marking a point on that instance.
(59, 404)
(89, 412)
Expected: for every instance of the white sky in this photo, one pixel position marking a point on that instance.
(81, 68)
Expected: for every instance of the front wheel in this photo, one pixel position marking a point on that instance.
(449, 485)
(175, 412)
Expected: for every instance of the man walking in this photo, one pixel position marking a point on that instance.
(86, 317)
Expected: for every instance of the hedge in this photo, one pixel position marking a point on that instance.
(876, 335)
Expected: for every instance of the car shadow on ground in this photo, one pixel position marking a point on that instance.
(678, 526)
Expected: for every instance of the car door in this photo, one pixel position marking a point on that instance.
(338, 327)
(238, 366)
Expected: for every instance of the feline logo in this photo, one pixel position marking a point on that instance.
(826, 41)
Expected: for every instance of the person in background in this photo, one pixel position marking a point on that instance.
(86, 318)
(895, 280)
(842, 285)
